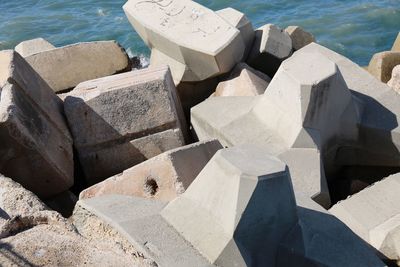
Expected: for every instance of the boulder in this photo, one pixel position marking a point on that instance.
(300, 37)
(239, 20)
(382, 64)
(163, 177)
(243, 81)
(65, 67)
(198, 43)
(34, 46)
(374, 215)
(394, 82)
(36, 146)
(271, 46)
(396, 44)
(122, 120)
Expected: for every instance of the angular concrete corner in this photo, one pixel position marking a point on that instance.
(186, 32)
(394, 82)
(65, 67)
(245, 187)
(382, 64)
(36, 146)
(300, 37)
(30, 47)
(125, 119)
(374, 215)
(396, 44)
(163, 177)
(243, 81)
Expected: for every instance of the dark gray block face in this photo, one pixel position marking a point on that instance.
(122, 120)
(35, 147)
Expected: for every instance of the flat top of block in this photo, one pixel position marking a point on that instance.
(185, 22)
(253, 160)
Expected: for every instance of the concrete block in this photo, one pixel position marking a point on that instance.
(394, 82)
(299, 36)
(245, 187)
(36, 146)
(30, 47)
(243, 81)
(271, 46)
(396, 44)
(163, 177)
(122, 120)
(382, 64)
(320, 239)
(374, 214)
(65, 67)
(239, 20)
(186, 32)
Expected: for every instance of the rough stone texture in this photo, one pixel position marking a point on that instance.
(33, 235)
(394, 82)
(30, 47)
(340, 110)
(300, 37)
(382, 64)
(374, 215)
(320, 239)
(65, 67)
(163, 177)
(243, 81)
(396, 44)
(239, 20)
(122, 120)
(229, 230)
(199, 43)
(35, 147)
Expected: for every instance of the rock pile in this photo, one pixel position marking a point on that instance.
(236, 147)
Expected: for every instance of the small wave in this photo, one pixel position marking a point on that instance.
(144, 60)
(119, 18)
(101, 12)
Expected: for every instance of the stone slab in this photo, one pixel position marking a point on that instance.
(30, 47)
(65, 67)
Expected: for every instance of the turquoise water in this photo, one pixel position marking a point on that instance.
(354, 28)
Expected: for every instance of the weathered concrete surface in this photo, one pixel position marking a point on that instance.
(374, 215)
(122, 120)
(396, 44)
(245, 187)
(340, 109)
(36, 146)
(33, 235)
(163, 177)
(30, 47)
(394, 82)
(320, 239)
(299, 36)
(239, 20)
(382, 64)
(243, 81)
(271, 46)
(204, 43)
(65, 67)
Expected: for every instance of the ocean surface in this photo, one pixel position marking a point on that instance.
(355, 28)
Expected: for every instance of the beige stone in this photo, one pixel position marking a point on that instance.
(122, 120)
(36, 146)
(300, 37)
(163, 177)
(30, 47)
(382, 64)
(394, 82)
(396, 44)
(65, 67)
(243, 81)
(202, 42)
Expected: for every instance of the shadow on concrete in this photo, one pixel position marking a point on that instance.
(11, 258)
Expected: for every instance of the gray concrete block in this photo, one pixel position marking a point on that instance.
(394, 81)
(36, 147)
(30, 47)
(122, 120)
(299, 36)
(382, 64)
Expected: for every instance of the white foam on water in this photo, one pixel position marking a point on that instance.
(144, 60)
(101, 12)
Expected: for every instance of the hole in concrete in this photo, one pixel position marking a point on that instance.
(350, 180)
(150, 186)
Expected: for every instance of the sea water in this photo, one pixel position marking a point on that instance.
(355, 28)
